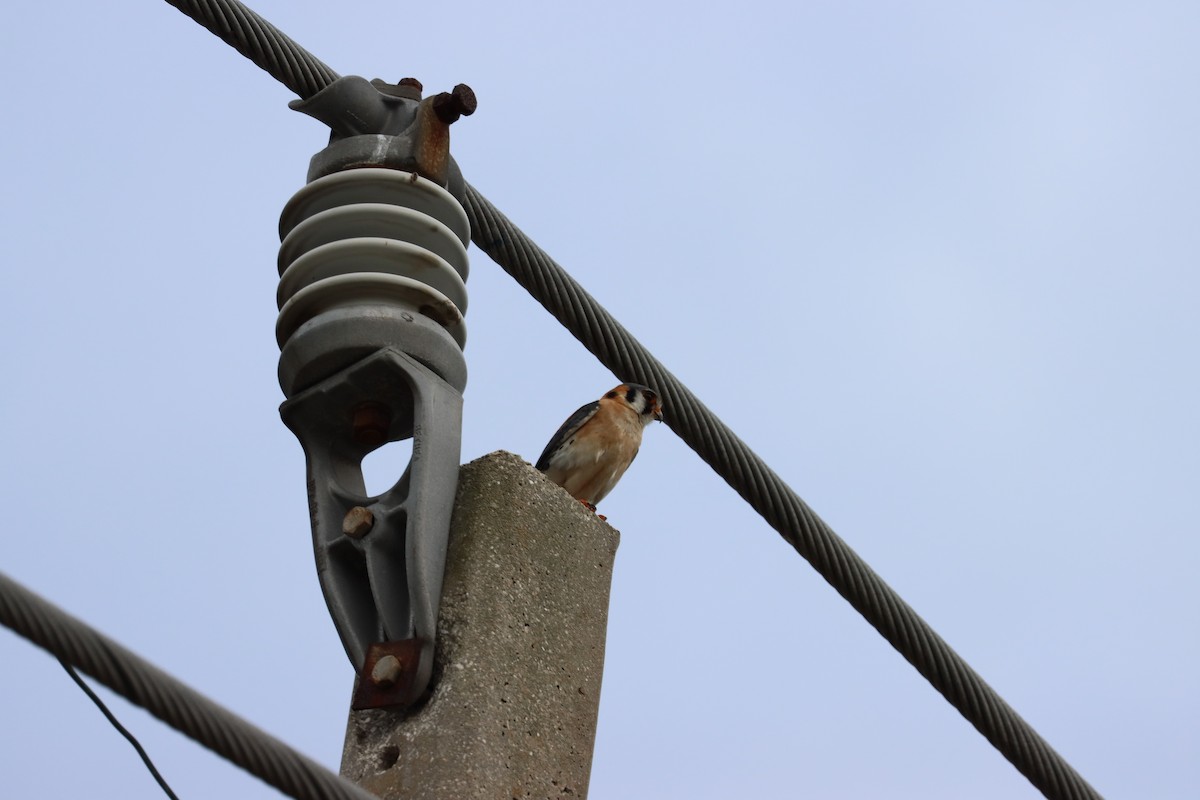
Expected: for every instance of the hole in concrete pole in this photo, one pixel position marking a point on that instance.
(389, 756)
(382, 467)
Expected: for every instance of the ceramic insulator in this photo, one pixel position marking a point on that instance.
(373, 237)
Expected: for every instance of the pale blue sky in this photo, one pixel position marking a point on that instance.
(936, 262)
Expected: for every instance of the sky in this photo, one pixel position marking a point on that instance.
(935, 262)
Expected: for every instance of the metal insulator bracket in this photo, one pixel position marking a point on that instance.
(371, 297)
(381, 559)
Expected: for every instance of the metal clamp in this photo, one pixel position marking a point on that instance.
(371, 300)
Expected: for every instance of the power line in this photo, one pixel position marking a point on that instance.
(141, 751)
(777, 503)
(169, 699)
(261, 42)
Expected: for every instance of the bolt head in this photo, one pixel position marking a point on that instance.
(386, 672)
(370, 424)
(358, 522)
(465, 96)
(460, 102)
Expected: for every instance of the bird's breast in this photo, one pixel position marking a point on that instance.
(592, 461)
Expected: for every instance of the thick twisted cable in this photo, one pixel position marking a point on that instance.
(176, 704)
(741, 468)
(766, 492)
(262, 43)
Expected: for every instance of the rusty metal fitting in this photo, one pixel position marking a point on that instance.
(370, 423)
(409, 88)
(386, 672)
(460, 102)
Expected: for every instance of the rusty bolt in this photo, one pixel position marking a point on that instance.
(460, 102)
(465, 96)
(413, 82)
(386, 672)
(371, 422)
(358, 522)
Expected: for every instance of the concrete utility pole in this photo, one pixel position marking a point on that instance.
(520, 651)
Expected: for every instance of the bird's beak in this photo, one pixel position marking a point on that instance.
(658, 414)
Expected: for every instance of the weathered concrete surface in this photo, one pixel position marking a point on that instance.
(520, 651)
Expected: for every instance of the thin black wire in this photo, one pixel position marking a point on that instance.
(141, 751)
(710, 438)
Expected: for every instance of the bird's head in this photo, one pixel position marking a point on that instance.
(642, 400)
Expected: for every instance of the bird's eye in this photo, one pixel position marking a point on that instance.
(611, 395)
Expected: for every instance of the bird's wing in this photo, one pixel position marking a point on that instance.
(573, 423)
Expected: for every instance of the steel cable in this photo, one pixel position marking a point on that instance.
(176, 704)
(766, 492)
(261, 42)
(712, 440)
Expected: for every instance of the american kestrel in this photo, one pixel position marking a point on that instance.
(594, 447)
